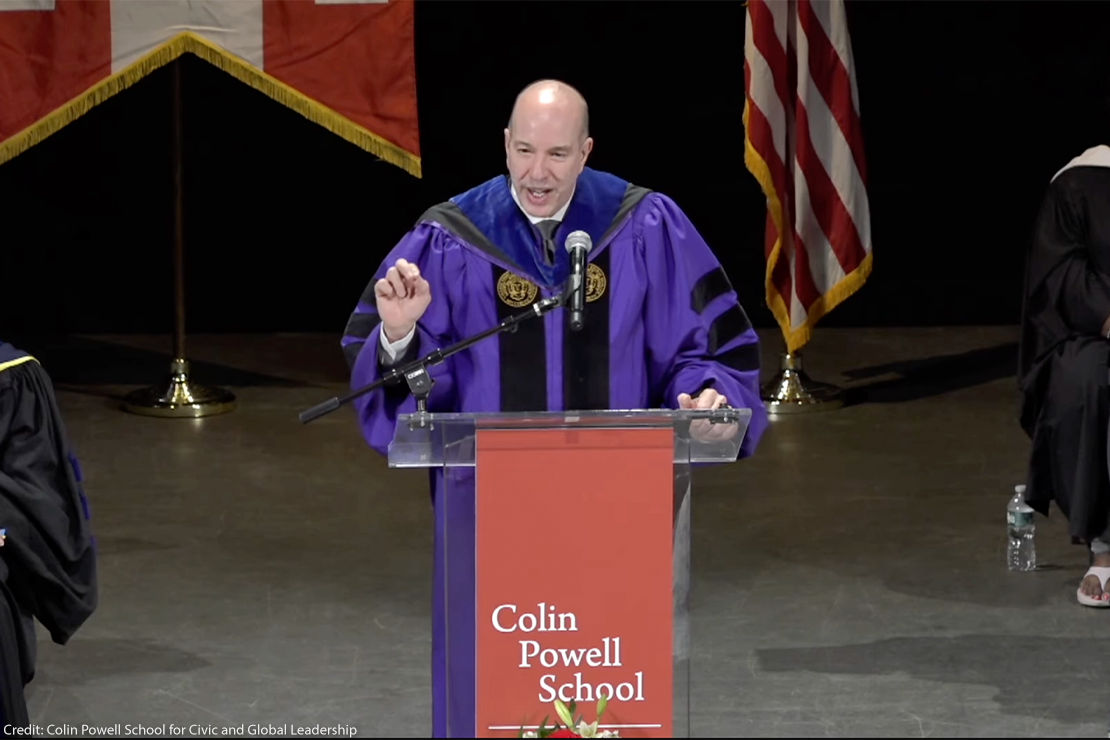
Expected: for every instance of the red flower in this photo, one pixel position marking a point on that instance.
(564, 733)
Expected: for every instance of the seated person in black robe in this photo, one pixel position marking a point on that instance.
(48, 560)
(1064, 371)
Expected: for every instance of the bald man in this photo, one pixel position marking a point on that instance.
(663, 326)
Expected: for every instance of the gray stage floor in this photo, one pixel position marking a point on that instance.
(849, 579)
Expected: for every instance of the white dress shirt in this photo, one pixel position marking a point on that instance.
(392, 350)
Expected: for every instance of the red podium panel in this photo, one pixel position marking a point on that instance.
(562, 552)
(575, 590)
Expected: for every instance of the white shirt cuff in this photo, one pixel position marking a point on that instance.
(395, 348)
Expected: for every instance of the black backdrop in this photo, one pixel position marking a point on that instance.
(968, 109)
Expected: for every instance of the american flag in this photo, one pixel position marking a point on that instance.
(804, 145)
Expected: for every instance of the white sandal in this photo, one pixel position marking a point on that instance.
(1102, 573)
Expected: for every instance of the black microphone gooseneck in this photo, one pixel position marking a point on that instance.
(415, 373)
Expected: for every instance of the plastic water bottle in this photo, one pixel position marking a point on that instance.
(1021, 554)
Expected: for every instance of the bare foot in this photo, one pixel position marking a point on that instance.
(1090, 585)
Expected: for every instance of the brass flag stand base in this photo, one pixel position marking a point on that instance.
(793, 392)
(179, 397)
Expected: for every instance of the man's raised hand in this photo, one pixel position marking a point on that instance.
(403, 297)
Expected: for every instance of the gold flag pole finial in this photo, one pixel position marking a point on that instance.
(179, 397)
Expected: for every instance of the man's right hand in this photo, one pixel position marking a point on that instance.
(403, 297)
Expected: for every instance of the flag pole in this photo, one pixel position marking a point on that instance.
(178, 396)
(792, 391)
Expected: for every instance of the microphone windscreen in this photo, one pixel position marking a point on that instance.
(579, 239)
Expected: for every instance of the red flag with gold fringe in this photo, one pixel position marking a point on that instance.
(348, 65)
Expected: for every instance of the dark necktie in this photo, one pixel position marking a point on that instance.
(547, 231)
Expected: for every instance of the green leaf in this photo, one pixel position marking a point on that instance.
(564, 714)
(601, 705)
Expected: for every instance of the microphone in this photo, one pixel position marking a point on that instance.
(415, 374)
(578, 245)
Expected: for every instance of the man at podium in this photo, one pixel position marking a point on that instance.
(663, 327)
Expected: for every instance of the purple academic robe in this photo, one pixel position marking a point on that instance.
(661, 319)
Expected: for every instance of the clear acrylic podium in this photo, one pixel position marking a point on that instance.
(563, 563)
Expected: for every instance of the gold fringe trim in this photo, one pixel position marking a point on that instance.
(795, 338)
(229, 63)
(762, 173)
(19, 361)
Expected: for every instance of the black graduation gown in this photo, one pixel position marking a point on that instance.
(1063, 359)
(48, 562)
